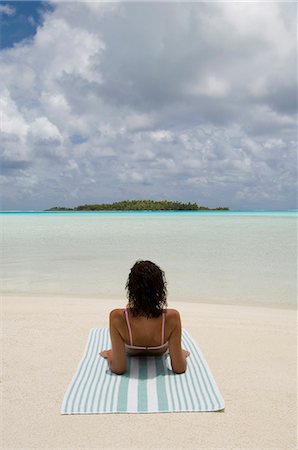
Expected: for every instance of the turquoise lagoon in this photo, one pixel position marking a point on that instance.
(242, 257)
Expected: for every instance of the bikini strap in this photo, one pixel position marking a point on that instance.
(128, 326)
(163, 327)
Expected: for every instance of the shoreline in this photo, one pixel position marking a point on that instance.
(202, 211)
(48, 296)
(251, 352)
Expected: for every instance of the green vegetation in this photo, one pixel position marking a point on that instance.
(140, 205)
(60, 208)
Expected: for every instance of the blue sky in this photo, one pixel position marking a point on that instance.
(179, 101)
(19, 20)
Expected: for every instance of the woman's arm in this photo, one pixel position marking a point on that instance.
(177, 354)
(117, 356)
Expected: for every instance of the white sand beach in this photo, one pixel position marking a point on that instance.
(251, 352)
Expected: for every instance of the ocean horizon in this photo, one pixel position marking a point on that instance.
(155, 211)
(244, 257)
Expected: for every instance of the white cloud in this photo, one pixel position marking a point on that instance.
(62, 49)
(192, 163)
(54, 102)
(211, 86)
(132, 177)
(167, 164)
(43, 131)
(162, 136)
(7, 10)
(194, 101)
(134, 121)
(143, 155)
(12, 120)
(262, 21)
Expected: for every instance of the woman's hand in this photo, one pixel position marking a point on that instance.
(106, 353)
(186, 353)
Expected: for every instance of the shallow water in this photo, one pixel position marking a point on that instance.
(218, 257)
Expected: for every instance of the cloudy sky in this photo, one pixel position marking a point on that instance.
(181, 101)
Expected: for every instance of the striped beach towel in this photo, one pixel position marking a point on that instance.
(149, 385)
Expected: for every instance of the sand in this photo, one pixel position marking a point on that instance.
(250, 350)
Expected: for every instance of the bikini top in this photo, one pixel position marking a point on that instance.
(136, 347)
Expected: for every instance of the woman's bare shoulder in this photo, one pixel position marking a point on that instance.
(117, 314)
(172, 311)
(117, 311)
(173, 315)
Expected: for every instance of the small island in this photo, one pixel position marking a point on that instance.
(140, 205)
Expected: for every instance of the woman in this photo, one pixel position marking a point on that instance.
(145, 327)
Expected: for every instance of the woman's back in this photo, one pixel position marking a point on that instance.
(146, 327)
(145, 331)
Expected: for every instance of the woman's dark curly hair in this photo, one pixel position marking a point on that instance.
(146, 289)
